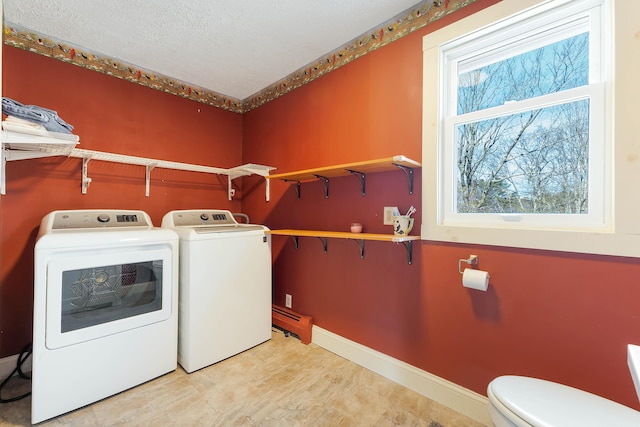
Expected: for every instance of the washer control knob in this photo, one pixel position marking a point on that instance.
(103, 218)
(204, 216)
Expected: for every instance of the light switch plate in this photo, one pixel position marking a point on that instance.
(388, 215)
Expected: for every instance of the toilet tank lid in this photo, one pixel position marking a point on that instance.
(544, 403)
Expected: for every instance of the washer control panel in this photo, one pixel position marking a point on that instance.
(191, 218)
(67, 220)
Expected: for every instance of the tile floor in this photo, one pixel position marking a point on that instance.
(279, 383)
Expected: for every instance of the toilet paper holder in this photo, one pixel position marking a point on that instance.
(472, 260)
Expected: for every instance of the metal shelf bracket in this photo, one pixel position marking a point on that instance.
(409, 246)
(363, 179)
(298, 185)
(360, 243)
(147, 175)
(324, 243)
(325, 181)
(409, 173)
(323, 240)
(86, 181)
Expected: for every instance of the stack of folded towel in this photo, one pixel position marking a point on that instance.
(34, 120)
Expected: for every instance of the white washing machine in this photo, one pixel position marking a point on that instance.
(105, 309)
(225, 286)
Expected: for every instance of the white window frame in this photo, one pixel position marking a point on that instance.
(543, 28)
(619, 232)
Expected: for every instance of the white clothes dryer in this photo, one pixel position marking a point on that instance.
(105, 307)
(225, 286)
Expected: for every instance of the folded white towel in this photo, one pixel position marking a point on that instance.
(16, 124)
(17, 121)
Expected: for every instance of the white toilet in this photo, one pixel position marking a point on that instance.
(523, 401)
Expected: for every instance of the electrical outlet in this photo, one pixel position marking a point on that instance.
(287, 300)
(387, 219)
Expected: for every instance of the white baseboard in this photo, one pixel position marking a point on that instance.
(458, 398)
(8, 364)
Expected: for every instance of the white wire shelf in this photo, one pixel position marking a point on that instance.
(20, 146)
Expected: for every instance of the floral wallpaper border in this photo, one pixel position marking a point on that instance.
(398, 27)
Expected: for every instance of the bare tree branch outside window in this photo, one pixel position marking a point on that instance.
(534, 161)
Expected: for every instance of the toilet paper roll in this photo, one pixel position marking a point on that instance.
(475, 279)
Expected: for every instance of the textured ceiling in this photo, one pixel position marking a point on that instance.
(232, 47)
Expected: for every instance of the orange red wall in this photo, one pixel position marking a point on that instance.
(558, 316)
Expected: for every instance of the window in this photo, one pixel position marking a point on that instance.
(522, 109)
(518, 128)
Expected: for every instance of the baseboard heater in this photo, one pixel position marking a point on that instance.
(293, 322)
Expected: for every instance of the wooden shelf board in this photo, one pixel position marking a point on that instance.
(343, 235)
(379, 165)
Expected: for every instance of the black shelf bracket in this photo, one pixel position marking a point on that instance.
(360, 243)
(324, 243)
(325, 181)
(323, 240)
(409, 246)
(409, 173)
(362, 177)
(297, 186)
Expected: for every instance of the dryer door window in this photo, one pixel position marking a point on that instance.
(102, 294)
(90, 297)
